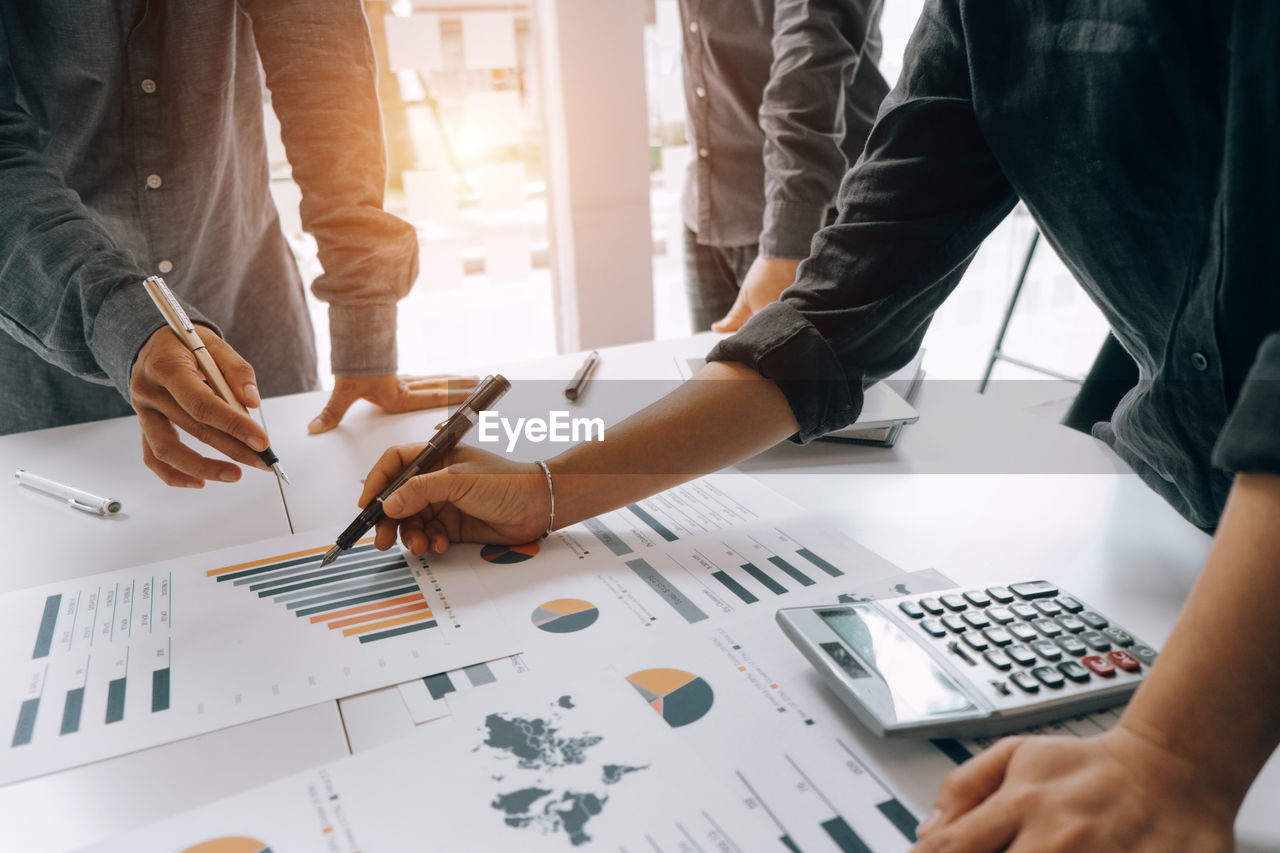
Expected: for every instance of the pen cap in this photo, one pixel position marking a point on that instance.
(489, 392)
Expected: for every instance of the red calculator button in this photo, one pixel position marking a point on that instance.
(1099, 665)
(1124, 660)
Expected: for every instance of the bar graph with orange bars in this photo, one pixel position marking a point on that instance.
(366, 594)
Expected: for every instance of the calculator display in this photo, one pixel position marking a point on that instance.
(918, 686)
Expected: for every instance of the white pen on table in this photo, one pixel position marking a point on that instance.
(81, 500)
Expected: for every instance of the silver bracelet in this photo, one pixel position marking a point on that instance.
(551, 490)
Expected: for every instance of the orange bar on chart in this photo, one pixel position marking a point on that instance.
(355, 620)
(390, 623)
(276, 559)
(365, 608)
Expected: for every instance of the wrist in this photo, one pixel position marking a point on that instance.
(1172, 774)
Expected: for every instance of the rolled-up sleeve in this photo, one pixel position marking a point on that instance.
(320, 68)
(913, 212)
(1250, 441)
(816, 113)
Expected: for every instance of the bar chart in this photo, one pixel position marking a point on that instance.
(366, 594)
(423, 696)
(100, 652)
(719, 545)
(123, 660)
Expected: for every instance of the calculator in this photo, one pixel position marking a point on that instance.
(970, 662)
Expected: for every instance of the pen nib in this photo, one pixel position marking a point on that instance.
(275, 466)
(331, 555)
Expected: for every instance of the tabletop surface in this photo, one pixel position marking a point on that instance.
(975, 489)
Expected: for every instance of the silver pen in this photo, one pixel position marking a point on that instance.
(181, 325)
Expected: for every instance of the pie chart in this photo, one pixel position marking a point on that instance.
(565, 615)
(680, 697)
(509, 553)
(229, 844)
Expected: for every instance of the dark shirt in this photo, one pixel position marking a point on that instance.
(132, 144)
(779, 98)
(1143, 137)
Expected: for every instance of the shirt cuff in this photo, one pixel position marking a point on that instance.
(1250, 440)
(789, 227)
(780, 344)
(362, 339)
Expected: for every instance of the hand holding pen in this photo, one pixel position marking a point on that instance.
(433, 453)
(169, 389)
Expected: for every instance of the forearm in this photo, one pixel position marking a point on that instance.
(814, 122)
(64, 283)
(913, 212)
(1213, 693)
(320, 68)
(727, 413)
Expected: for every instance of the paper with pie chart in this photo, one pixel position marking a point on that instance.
(715, 550)
(116, 662)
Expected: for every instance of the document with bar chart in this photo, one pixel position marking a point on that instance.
(123, 660)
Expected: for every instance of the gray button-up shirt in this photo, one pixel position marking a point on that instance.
(779, 98)
(1144, 139)
(131, 143)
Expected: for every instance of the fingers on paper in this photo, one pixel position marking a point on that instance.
(428, 395)
(334, 410)
(991, 826)
(969, 785)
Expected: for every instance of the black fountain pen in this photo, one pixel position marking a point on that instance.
(447, 435)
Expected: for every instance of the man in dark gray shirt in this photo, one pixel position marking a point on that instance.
(780, 96)
(1143, 138)
(131, 144)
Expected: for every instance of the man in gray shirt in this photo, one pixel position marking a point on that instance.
(132, 144)
(780, 95)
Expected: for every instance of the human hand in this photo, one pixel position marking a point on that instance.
(167, 388)
(764, 282)
(476, 497)
(392, 393)
(1041, 794)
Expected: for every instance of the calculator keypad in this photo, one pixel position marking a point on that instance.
(1030, 635)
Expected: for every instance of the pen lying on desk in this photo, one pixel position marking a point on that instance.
(178, 320)
(447, 435)
(578, 383)
(75, 498)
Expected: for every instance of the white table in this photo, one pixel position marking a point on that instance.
(977, 490)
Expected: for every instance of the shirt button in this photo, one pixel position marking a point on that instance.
(700, 92)
(693, 26)
(702, 152)
(1199, 362)
(149, 86)
(154, 182)
(165, 267)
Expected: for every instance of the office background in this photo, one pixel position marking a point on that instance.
(511, 166)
